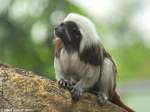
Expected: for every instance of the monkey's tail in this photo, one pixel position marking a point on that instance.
(116, 100)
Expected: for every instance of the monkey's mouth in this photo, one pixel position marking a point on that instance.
(58, 34)
(58, 38)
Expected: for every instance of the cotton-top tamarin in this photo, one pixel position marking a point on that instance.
(81, 62)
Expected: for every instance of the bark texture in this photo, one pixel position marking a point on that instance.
(24, 91)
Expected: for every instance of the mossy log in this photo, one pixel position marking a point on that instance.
(24, 91)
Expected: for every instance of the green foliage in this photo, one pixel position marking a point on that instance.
(17, 46)
(26, 38)
(133, 61)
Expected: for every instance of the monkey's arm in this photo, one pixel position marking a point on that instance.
(58, 70)
(86, 82)
(60, 77)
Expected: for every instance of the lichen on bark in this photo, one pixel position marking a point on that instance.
(24, 91)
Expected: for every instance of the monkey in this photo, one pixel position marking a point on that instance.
(81, 62)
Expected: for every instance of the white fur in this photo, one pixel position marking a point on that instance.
(87, 30)
(69, 67)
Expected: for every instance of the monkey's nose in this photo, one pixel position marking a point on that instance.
(59, 29)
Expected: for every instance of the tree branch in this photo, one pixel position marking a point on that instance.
(23, 91)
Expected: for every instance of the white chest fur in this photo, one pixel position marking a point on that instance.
(71, 63)
(71, 67)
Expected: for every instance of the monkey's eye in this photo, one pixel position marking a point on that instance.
(74, 29)
(77, 36)
(61, 24)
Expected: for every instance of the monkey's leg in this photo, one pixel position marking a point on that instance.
(106, 82)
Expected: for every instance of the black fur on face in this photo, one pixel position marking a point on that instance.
(70, 35)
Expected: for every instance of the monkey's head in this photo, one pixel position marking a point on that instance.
(77, 32)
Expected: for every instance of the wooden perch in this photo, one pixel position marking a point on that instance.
(23, 91)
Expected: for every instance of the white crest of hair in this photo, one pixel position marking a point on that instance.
(87, 29)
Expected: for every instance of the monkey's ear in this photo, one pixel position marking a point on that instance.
(93, 55)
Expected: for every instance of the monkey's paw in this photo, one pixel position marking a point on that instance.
(76, 92)
(102, 99)
(64, 84)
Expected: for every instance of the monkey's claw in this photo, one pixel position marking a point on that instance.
(76, 93)
(102, 99)
(64, 84)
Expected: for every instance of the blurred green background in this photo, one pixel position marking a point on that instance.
(26, 38)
